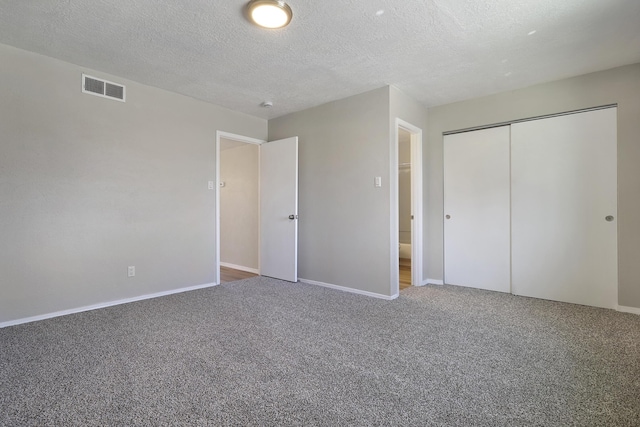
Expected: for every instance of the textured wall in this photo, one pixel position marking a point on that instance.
(89, 186)
(344, 220)
(619, 85)
(239, 206)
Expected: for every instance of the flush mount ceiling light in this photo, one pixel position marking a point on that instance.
(269, 13)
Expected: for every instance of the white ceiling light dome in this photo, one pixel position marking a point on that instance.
(269, 13)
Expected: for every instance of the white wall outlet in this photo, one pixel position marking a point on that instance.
(131, 271)
(210, 185)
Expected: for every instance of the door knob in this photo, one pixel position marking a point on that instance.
(609, 218)
(293, 216)
(448, 216)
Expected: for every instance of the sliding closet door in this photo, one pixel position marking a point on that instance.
(476, 207)
(564, 199)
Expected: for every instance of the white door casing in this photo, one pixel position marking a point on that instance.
(564, 185)
(476, 208)
(279, 209)
(417, 243)
(416, 206)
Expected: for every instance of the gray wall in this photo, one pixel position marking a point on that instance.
(344, 233)
(89, 186)
(239, 206)
(620, 85)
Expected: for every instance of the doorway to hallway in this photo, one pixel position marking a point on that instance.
(407, 199)
(263, 232)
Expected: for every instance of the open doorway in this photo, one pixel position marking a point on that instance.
(266, 223)
(237, 206)
(404, 207)
(407, 197)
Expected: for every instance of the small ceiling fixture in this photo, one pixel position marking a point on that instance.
(269, 13)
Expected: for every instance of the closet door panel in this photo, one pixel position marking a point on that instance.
(476, 208)
(564, 186)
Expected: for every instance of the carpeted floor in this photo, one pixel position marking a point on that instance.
(265, 352)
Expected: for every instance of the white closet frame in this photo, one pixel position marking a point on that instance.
(563, 182)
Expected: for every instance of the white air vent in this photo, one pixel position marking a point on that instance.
(103, 88)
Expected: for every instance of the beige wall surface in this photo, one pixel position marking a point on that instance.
(89, 186)
(619, 85)
(239, 206)
(344, 228)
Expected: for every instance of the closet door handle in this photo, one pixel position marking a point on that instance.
(609, 218)
(448, 216)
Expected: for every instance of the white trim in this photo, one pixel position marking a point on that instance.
(394, 209)
(239, 138)
(434, 282)
(240, 267)
(632, 310)
(102, 305)
(417, 269)
(350, 290)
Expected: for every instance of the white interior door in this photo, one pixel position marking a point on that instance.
(476, 207)
(564, 186)
(279, 209)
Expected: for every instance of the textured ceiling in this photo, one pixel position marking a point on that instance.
(437, 51)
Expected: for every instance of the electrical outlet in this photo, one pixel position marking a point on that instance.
(131, 271)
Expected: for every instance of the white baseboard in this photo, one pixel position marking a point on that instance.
(101, 305)
(424, 282)
(239, 267)
(350, 290)
(434, 282)
(632, 310)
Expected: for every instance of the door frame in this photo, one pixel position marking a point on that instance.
(239, 138)
(417, 269)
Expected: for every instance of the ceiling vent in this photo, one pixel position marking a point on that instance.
(103, 88)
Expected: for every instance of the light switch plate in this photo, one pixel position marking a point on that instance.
(377, 181)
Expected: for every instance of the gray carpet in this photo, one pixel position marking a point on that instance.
(265, 352)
